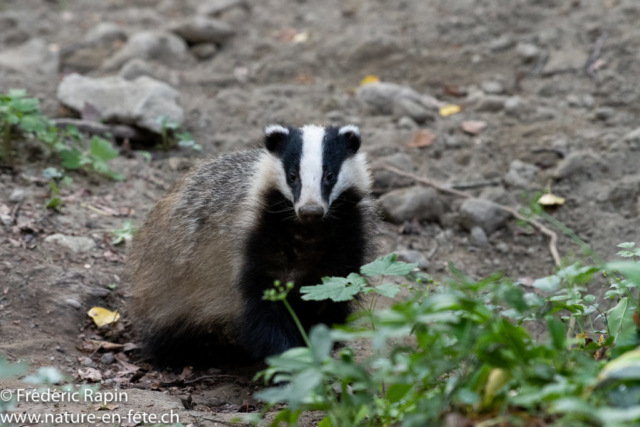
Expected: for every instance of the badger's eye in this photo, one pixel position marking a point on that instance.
(329, 177)
(293, 177)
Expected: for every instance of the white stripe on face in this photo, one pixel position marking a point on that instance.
(311, 167)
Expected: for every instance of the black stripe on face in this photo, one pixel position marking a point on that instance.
(334, 152)
(290, 155)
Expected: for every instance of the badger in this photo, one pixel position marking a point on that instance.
(297, 210)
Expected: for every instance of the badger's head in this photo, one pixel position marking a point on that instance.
(318, 166)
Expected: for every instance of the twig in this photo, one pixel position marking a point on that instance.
(476, 184)
(553, 237)
(595, 55)
(95, 128)
(96, 210)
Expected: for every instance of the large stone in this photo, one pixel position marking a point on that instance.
(139, 67)
(105, 33)
(565, 61)
(482, 213)
(411, 256)
(576, 163)
(521, 174)
(384, 180)
(76, 244)
(633, 139)
(390, 98)
(412, 203)
(217, 7)
(31, 56)
(203, 30)
(490, 103)
(153, 45)
(139, 102)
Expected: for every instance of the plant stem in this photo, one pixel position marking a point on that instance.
(6, 139)
(298, 324)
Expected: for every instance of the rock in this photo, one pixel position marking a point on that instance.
(482, 213)
(498, 195)
(492, 87)
(85, 57)
(76, 244)
(139, 67)
(203, 30)
(633, 139)
(490, 104)
(564, 61)
(180, 163)
(384, 180)
(107, 359)
(412, 203)
(408, 107)
(407, 123)
(575, 163)
(623, 196)
(502, 43)
(73, 303)
(478, 237)
(544, 114)
(17, 195)
(391, 98)
(516, 106)
(152, 45)
(604, 113)
(217, 7)
(140, 102)
(204, 51)
(521, 174)
(528, 52)
(31, 56)
(7, 220)
(502, 247)
(336, 116)
(411, 256)
(105, 33)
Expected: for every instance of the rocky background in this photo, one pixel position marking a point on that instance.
(549, 96)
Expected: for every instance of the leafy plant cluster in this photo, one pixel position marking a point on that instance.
(173, 134)
(462, 348)
(21, 116)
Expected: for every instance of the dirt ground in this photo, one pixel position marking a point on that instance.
(556, 82)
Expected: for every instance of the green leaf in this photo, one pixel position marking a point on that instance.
(145, 155)
(72, 158)
(621, 318)
(388, 290)
(589, 298)
(51, 173)
(124, 233)
(54, 203)
(103, 150)
(45, 375)
(627, 245)
(32, 123)
(557, 331)
(335, 288)
(547, 284)
(25, 105)
(321, 342)
(17, 93)
(326, 422)
(629, 269)
(397, 391)
(625, 367)
(387, 266)
(117, 176)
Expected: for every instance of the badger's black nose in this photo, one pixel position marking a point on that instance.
(310, 212)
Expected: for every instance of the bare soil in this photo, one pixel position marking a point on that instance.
(446, 48)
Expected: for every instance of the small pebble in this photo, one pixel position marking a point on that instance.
(17, 195)
(107, 358)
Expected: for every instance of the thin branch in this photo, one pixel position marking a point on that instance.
(553, 237)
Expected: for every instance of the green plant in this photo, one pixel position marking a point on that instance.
(124, 233)
(461, 347)
(21, 115)
(172, 132)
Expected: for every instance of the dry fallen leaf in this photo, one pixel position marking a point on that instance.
(550, 200)
(90, 374)
(102, 316)
(474, 127)
(449, 110)
(422, 138)
(369, 79)
(107, 346)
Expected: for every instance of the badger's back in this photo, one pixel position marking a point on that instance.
(186, 257)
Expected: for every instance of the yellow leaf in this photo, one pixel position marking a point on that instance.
(497, 379)
(369, 79)
(601, 339)
(449, 110)
(551, 200)
(102, 316)
(581, 336)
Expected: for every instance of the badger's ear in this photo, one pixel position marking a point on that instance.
(275, 137)
(351, 136)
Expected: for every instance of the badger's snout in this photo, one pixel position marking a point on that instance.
(310, 212)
